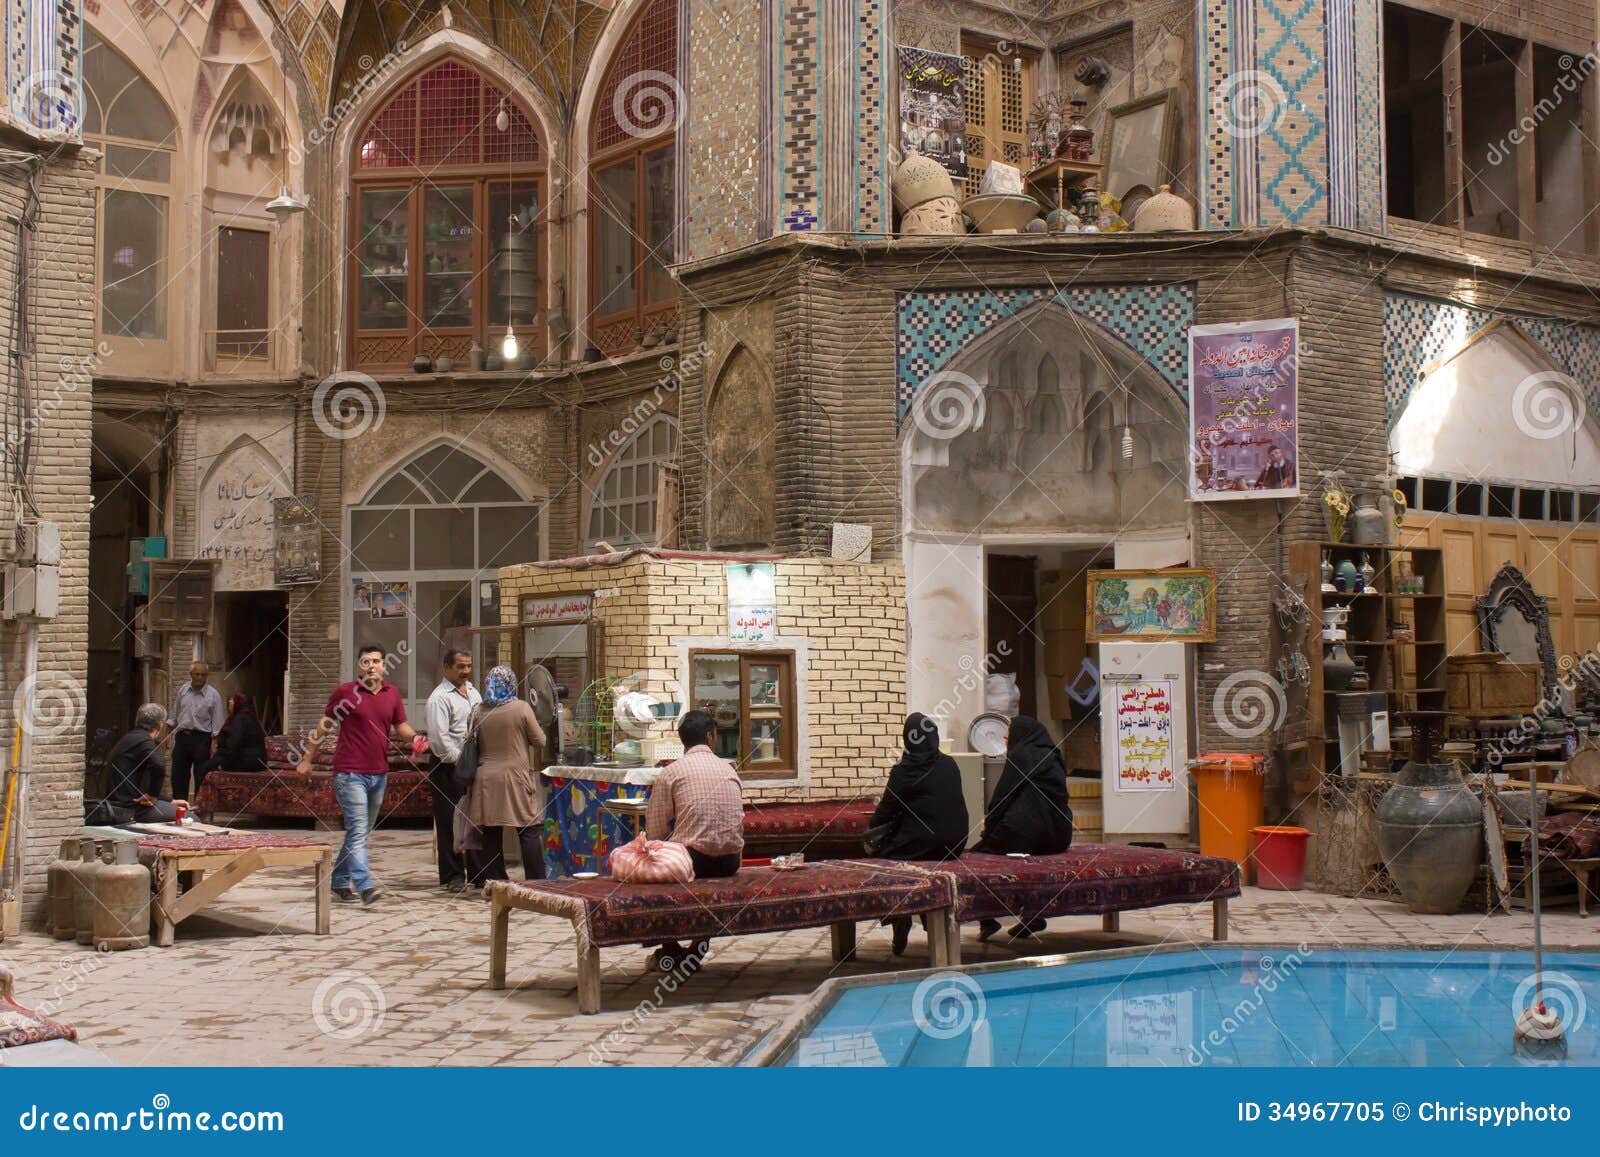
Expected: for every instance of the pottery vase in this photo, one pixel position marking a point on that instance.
(942, 215)
(1368, 526)
(1337, 668)
(1430, 833)
(1346, 578)
(918, 180)
(475, 356)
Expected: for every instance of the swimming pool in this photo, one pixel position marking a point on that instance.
(1280, 1006)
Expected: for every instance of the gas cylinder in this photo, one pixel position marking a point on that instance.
(122, 901)
(60, 877)
(83, 890)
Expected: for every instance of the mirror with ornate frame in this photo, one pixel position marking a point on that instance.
(1515, 620)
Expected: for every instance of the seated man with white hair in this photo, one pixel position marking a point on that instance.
(136, 772)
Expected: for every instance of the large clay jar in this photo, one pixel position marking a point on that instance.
(1338, 668)
(1165, 212)
(942, 215)
(918, 180)
(1368, 526)
(1430, 833)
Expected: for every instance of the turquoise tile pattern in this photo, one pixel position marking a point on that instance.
(1419, 332)
(1286, 1008)
(934, 326)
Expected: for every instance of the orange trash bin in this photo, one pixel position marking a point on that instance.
(1231, 787)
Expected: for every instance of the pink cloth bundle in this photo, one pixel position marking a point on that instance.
(646, 861)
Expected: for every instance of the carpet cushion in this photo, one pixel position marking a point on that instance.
(1087, 879)
(756, 900)
(282, 794)
(822, 829)
(21, 1026)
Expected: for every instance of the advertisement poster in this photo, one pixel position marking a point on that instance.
(392, 602)
(752, 602)
(1144, 736)
(296, 540)
(933, 108)
(1242, 410)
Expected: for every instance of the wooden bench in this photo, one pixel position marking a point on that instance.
(834, 894)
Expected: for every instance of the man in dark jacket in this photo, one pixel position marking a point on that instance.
(136, 772)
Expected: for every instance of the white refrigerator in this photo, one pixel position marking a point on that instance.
(1144, 738)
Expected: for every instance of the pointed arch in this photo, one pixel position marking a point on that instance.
(741, 455)
(622, 502)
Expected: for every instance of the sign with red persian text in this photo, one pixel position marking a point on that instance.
(1144, 736)
(561, 609)
(1243, 390)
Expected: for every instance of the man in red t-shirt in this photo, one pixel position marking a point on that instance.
(364, 710)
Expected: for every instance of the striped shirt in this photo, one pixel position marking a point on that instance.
(696, 802)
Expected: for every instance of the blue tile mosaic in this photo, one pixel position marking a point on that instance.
(933, 327)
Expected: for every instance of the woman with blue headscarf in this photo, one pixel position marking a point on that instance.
(504, 793)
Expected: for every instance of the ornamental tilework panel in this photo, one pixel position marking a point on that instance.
(933, 327)
(42, 64)
(798, 117)
(1369, 116)
(872, 119)
(722, 148)
(1293, 156)
(1215, 61)
(1418, 333)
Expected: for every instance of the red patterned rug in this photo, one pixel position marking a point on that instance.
(22, 1026)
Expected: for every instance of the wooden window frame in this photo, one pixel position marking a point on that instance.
(978, 47)
(787, 710)
(621, 332)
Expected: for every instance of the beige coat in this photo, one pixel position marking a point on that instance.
(505, 792)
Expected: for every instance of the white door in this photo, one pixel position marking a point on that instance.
(1144, 738)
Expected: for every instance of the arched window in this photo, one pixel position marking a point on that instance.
(420, 545)
(622, 510)
(631, 192)
(448, 223)
(128, 120)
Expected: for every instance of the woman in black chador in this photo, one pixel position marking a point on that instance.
(1028, 811)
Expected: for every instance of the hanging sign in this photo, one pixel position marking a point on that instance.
(561, 609)
(1243, 425)
(752, 602)
(1144, 736)
(933, 108)
(296, 540)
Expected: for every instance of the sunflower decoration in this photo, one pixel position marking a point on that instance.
(1336, 505)
(1399, 508)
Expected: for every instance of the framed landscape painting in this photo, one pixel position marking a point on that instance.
(1178, 604)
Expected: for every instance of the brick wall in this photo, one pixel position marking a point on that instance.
(61, 252)
(852, 617)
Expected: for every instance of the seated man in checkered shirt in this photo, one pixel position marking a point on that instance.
(696, 801)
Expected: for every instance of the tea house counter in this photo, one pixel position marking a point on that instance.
(578, 834)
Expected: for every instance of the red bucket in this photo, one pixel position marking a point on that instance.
(1280, 857)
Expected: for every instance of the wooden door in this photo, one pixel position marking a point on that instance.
(1013, 618)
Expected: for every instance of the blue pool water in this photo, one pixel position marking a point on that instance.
(1278, 1007)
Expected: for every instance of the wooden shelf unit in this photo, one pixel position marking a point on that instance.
(1411, 672)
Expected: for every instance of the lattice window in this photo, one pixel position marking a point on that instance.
(446, 117)
(1000, 88)
(649, 104)
(622, 510)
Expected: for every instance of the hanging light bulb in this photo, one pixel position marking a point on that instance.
(508, 347)
(502, 119)
(1127, 443)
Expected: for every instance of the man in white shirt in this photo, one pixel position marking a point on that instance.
(193, 722)
(449, 708)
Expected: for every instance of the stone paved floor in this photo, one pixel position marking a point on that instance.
(404, 983)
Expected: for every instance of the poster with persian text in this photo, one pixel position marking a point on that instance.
(1243, 429)
(933, 108)
(1144, 752)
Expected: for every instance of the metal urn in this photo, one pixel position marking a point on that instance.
(83, 890)
(122, 901)
(1430, 825)
(59, 875)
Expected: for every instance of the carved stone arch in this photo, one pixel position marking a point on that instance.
(741, 454)
(233, 513)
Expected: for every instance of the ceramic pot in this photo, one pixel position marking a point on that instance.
(1430, 833)
(1000, 212)
(446, 365)
(940, 216)
(475, 357)
(1346, 577)
(1165, 212)
(422, 364)
(1338, 668)
(1368, 526)
(918, 180)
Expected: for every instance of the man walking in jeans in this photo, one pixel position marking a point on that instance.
(364, 709)
(449, 710)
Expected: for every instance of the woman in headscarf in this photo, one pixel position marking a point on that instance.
(504, 793)
(242, 742)
(922, 815)
(1028, 811)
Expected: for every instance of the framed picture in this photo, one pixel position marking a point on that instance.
(1178, 604)
(1138, 146)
